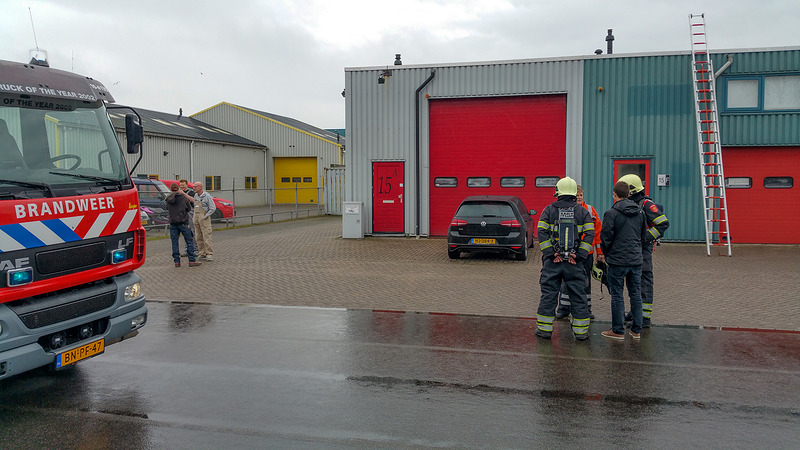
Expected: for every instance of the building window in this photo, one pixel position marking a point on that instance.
(285, 179)
(213, 182)
(445, 182)
(147, 176)
(762, 93)
(251, 182)
(738, 182)
(479, 182)
(778, 182)
(546, 182)
(296, 179)
(512, 182)
(782, 93)
(307, 179)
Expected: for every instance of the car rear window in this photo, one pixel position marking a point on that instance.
(486, 209)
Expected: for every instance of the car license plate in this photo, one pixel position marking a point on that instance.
(70, 357)
(483, 241)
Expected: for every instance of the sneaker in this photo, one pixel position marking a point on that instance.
(635, 335)
(184, 254)
(177, 264)
(208, 258)
(543, 334)
(194, 264)
(611, 335)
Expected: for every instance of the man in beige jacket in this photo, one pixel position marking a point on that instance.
(204, 208)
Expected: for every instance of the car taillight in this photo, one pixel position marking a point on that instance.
(458, 223)
(511, 223)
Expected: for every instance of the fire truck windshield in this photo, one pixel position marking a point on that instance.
(56, 152)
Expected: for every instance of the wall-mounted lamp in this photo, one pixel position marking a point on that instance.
(166, 153)
(383, 75)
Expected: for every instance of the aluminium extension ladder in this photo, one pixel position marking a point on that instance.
(712, 177)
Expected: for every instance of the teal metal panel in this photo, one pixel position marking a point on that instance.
(758, 128)
(644, 111)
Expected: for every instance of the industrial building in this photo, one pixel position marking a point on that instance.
(298, 153)
(423, 137)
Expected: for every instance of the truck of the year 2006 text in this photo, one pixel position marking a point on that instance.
(70, 229)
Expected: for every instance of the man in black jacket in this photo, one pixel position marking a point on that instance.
(178, 206)
(624, 229)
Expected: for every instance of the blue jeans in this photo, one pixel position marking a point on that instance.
(618, 276)
(175, 232)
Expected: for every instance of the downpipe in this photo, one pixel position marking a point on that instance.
(416, 144)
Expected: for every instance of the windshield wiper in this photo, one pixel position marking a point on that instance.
(90, 177)
(41, 186)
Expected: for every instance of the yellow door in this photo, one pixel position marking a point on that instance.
(296, 180)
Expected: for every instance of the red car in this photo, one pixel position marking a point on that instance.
(224, 207)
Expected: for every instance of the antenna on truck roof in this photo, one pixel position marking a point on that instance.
(38, 56)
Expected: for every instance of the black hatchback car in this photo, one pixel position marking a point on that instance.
(493, 223)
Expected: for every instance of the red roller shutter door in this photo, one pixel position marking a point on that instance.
(760, 215)
(495, 137)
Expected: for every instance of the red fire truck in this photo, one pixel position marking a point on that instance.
(70, 229)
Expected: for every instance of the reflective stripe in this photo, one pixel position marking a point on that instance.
(543, 224)
(647, 310)
(545, 323)
(653, 232)
(564, 300)
(585, 246)
(586, 227)
(660, 219)
(580, 326)
(545, 245)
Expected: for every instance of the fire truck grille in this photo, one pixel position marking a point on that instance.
(60, 313)
(71, 258)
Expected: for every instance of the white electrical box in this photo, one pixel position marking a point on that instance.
(662, 180)
(352, 225)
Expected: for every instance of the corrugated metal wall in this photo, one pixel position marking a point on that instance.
(644, 111)
(763, 128)
(380, 118)
(281, 140)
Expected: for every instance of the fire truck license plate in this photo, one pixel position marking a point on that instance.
(484, 241)
(70, 357)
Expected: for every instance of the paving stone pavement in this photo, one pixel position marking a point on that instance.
(306, 262)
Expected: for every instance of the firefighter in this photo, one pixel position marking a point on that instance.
(657, 224)
(588, 264)
(566, 233)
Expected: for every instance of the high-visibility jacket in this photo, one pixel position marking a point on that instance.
(598, 227)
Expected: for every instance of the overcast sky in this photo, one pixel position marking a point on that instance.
(288, 57)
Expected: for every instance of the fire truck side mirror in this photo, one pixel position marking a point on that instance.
(133, 133)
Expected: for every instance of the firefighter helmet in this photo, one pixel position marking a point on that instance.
(633, 181)
(566, 186)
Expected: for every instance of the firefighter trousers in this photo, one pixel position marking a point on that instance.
(573, 277)
(647, 283)
(564, 304)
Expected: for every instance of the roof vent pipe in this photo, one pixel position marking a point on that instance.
(397, 61)
(609, 42)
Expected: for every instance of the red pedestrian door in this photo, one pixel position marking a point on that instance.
(387, 197)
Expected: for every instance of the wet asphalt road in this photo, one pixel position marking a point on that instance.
(252, 376)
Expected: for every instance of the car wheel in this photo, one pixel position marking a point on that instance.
(523, 255)
(454, 254)
(216, 215)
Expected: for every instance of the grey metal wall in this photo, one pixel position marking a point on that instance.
(194, 160)
(380, 118)
(282, 140)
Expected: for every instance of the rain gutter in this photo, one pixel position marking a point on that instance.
(416, 142)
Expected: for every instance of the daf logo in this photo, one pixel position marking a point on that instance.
(483, 223)
(18, 263)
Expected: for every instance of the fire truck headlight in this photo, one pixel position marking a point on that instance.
(19, 277)
(138, 321)
(119, 255)
(133, 291)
